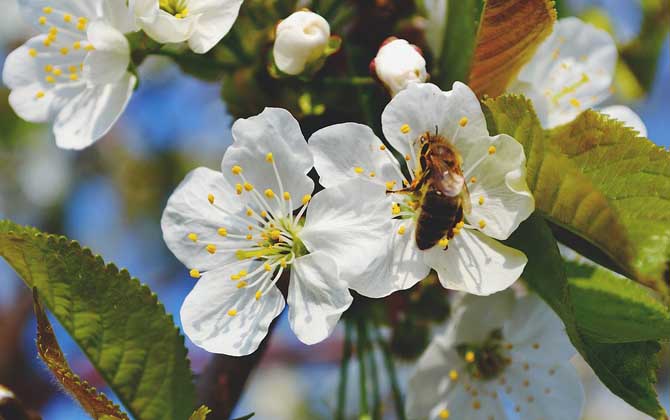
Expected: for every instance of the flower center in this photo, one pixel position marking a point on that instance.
(177, 8)
(486, 360)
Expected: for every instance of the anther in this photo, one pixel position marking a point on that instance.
(42, 20)
(47, 10)
(264, 214)
(395, 209)
(269, 158)
(267, 267)
(232, 312)
(195, 273)
(473, 180)
(492, 150)
(76, 45)
(57, 72)
(48, 68)
(408, 158)
(64, 51)
(405, 128)
(242, 284)
(275, 234)
(444, 413)
(306, 199)
(249, 237)
(390, 185)
(248, 187)
(283, 263)
(402, 229)
(193, 237)
(443, 243)
(373, 174)
(223, 232)
(258, 295)
(210, 198)
(463, 121)
(481, 200)
(287, 196)
(575, 102)
(382, 147)
(269, 193)
(67, 17)
(358, 170)
(236, 170)
(453, 375)
(470, 357)
(239, 189)
(211, 248)
(482, 224)
(32, 52)
(40, 94)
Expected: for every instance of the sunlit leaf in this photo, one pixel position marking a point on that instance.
(117, 322)
(509, 33)
(96, 404)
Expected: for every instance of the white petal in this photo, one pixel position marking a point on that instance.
(340, 149)
(543, 340)
(398, 63)
(317, 297)
(351, 223)
(474, 318)
(273, 131)
(89, 116)
(20, 68)
(424, 108)
(300, 38)
(214, 23)
(572, 70)
(34, 9)
(208, 324)
(476, 264)
(162, 26)
(626, 116)
(500, 197)
(109, 61)
(556, 391)
(119, 13)
(189, 211)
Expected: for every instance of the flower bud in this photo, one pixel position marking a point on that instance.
(302, 39)
(399, 63)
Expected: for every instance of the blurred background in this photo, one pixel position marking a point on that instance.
(110, 198)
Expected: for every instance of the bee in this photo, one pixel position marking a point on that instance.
(445, 199)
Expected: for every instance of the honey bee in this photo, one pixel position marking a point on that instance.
(441, 185)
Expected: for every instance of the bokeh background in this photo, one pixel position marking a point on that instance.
(110, 198)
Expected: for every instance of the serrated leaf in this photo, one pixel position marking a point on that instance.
(579, 212)
(96, 404)
(634, 174)
(509, 33)
(201, 413)
(627, 369)
(614, 309)
(117, 322)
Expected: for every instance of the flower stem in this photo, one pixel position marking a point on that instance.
(344, 371)
(393, 377)
(349, 81)
(360, 349)
(374, 375)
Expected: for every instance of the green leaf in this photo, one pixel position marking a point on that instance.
(580, 214)
(116, 321)
(627, 369)
(200, 414)
(509, 33)
(96, 404)
(458, 41)
(634, 174)
(614, 309)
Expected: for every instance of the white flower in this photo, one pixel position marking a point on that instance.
(239, 232)
(203, 23)
(501, 357)
(302, 39)
(573, 71)
(399, 63)
(467, 257)
(75, 73)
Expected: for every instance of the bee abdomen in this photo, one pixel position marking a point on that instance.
(439, 215)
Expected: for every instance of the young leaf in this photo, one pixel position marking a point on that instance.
(577, 210)
(634, 174)
(627, 369)
(509, 33)
(96, 404)
(614, 309)
(117, 322)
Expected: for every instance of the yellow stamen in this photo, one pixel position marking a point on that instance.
(382, 147)
(372, 174)
(64, 51)
(48, 68)
(408, 158)
(306, 199)
(481, 200)
(248, 187)
(275, 234)
(242, 284)
(211, 248)
(42, 20)
(210, 198)
(405, 128)
(76, 45)
(269, 158)
(72, 69)
(390, 185)
(243, 273)
(238, 189)
(67, 17)
(223, 232)
(249, 237)
(195, 273)
(453, 375)
(50, 79)
(57, 72)
(401, 230)
(236, 170)
(482, 224)
(492, 150)
(444, 413)
(264, 214)
(47, 10)
(287, 196)
(267, 267)
(40, 94)
(89, 47)
(258, 295)
(395, 209)
(193, 237)
(463, 121)
(32, 52)
(443, 243)
(358, 170)
(232, 312)
(269, 193)
(250, 212)
(575, 102)
(470, 357)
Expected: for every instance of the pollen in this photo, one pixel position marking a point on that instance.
(405, 128)
(401, 230)
(47, 42)
(264, 214)
(243, 273)
(275, 234)
(444, 413)
(358, 170)
(408, 158)
(50, 79)
(481, 200)
(373, 174)
(453, 375)
(64, 51)
(89, 47)
(482, 224)
(67, 17)
(283, 263)
(575, 102)
(259, 294)
(235, 277)
(443, 243)
(395, 209)
(249, 237)
(42, 20)
(238, 189)
(473, 180)
(470, 357)
(48, 68)
(250, 227)
(236, 170)
(232, 312)
(492, 150)
(476, 405)
(211, 248)
(267, 267)
(269, 158)
(390, 185)
(76, 45)
(72, 69)
(248, 187)
(242, 284)
(40, 94)
(47, 10)
(32, 52)
(287, 196)
(306, 199)
(193, 237)
(223, 232)
(269, 193)
(195, 273)
(81, 26)
(382, 147)
(57, 72)
(463, 121)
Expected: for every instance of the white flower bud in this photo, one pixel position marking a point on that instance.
(301, 39)
(399, 63)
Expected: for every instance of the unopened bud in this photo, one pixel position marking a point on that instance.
(399, 63)
(302, 39)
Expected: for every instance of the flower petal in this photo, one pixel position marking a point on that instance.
(188, 211)
(317, 297)
(162, 26)
(273, 131)
(500, 197)
(571, 71)
(109, 61)
(474, 318)
(476, 264)
(34, 9)
(206, 319)
(626, 116)
(91, 114)
(424, 108)
(214, 23)
(348, 151)
(350, 222)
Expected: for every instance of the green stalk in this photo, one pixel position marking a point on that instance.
(374, 374)
(393, 377)
(363, 382)
(344, 371)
